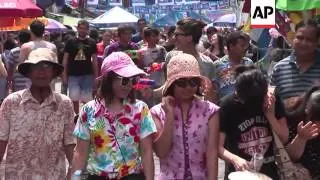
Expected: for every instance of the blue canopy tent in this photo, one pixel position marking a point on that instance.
(174, 16)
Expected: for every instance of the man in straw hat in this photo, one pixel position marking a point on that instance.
(36, 124)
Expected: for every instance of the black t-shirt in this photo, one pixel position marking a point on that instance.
(247, 132)
(80, 52)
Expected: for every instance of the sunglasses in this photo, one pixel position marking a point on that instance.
(124, 81)
(184, 82)
(41, 65)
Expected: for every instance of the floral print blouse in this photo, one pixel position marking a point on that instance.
(114, 140)
(187, 158)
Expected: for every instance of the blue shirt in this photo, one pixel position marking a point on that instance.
(223, 75)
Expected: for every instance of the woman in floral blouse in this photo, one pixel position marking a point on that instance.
(111, 129)
(187, 142)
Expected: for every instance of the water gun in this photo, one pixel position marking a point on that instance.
(135, 55)
(144, 83)
(154, 67)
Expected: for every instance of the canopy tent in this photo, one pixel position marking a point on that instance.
(19, 9)
(226, 19)
(113, 18)
(174, 16)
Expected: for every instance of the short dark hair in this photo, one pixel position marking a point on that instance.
(24, 36)
(94, 34)
(251, 85)
(142, 20)
(233, 38)
(123, 29)
(105, 89)
(309, 23)
(211, 30)
(37, 28)
(149, 31)
(192, 27)
(83, 22)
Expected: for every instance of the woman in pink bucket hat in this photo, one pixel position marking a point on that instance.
(188, 127)
(112, 128)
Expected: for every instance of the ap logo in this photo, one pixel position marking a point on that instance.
(263, 13)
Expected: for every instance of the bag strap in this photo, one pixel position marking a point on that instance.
(284, 158)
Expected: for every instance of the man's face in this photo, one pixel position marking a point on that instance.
(41, 74)
(141, 25)
(83, 30)
(153, 39)
(240, 47)
(126, 36)
(106, 37)
(305, 41)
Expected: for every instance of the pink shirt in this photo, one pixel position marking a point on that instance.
(187, 158)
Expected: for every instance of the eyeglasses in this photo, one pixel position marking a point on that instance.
(125, 81)
(180, 34)
(184, 82)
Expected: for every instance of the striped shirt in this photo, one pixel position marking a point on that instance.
(19, 81)
(290, 81)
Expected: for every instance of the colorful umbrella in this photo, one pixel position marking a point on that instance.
(19, 8)
(55, 26)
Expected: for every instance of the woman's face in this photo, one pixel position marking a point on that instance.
(186, 88)
(214, 39)
(122, 86)
(181, 38)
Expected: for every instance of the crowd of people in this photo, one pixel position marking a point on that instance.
(188, 94)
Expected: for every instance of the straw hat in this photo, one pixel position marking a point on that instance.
(40, 55)
(184, 66)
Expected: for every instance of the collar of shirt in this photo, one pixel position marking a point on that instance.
(100, 108)
(27, 96)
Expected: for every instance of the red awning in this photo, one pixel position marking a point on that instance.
(19, 8)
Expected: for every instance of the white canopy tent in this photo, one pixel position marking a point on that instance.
(113, 18)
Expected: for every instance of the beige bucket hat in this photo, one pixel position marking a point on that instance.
(40, 55)
(184, 66)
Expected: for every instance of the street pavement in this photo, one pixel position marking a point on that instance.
(57, 87)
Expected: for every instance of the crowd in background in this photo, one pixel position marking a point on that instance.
(188, 93)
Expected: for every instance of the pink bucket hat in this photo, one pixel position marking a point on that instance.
(184, 66)
(121, 64)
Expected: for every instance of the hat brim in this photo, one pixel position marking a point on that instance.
(205, 83)
(25, 67)
(129, 71)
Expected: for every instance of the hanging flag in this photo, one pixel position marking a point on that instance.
(297, 5)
